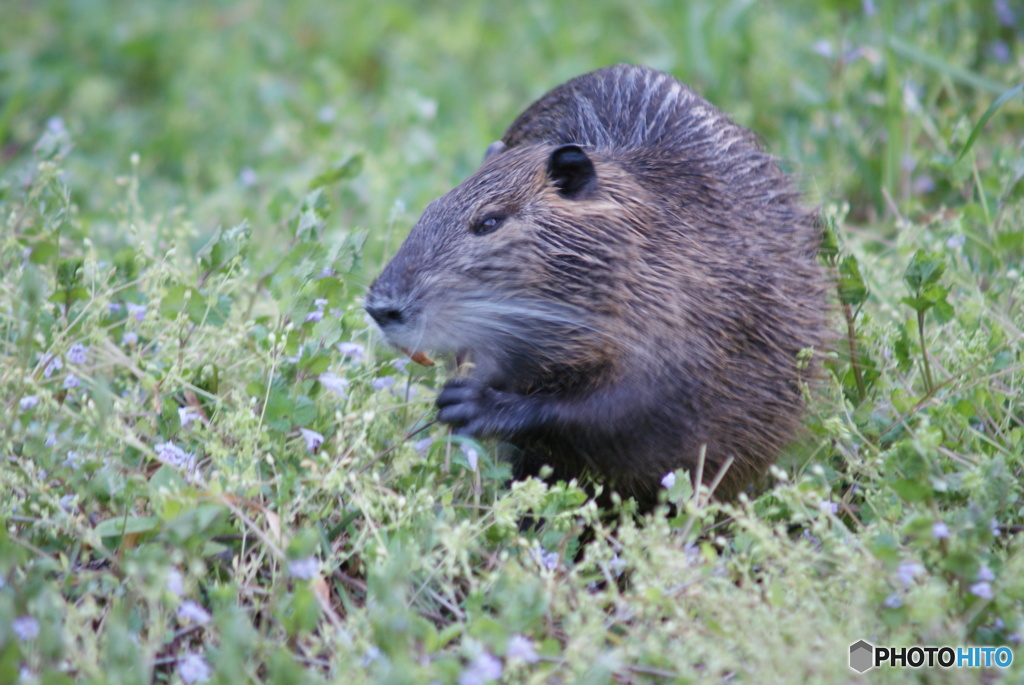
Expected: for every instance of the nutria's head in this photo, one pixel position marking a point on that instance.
(514, 266)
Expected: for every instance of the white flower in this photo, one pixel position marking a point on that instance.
(483, 669)
(334, 383)
(175, 582)
(304, 569)
(982, 589)
(191, 611)
(28, 401)
(78, 354)
(828, 507)
(71, 381)
(193, 669)
(26, 628)
(520, 647)
(940, 530)
(187, 415)
(669, 481)
(312, 438)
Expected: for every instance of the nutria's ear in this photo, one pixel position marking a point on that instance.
(495, 148)
(572, 171)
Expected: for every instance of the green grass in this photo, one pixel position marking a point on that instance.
(194, 197)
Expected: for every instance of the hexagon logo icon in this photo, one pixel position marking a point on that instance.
(862, 655)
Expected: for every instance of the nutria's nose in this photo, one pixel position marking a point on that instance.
(385, 316)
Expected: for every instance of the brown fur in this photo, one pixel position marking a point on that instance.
(624, 314)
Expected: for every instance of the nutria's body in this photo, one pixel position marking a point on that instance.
(632, 279)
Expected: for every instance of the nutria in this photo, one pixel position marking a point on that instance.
(633, 280)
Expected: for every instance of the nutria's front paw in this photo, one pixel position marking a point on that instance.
(467, 405)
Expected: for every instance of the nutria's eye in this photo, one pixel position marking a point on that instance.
(487, 223)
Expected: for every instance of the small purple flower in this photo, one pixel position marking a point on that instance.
(548, 560)
(999, 51)
(136, 310)
(907, 571)
(354, 350)
(191, 611)
(71, 461)
(312, 438)
(326, 114)
(985, 573)
(114, 307)
(334, 383)
(1005, 13)
(521, 647)
(51, 440)
(315, 316)
(955, 241)
(823, 47)
(400, 365)
(67, 502)
(828, 507)
(131, 338)
(56, 125)
(172, 455)
(940, 530)
(28, 402)
(193, 669)
(71, 381)
(893, 601)
(472, 456)
(617, 565)
(382, 383)
(482, 669)
(26, 628)
(78, 354)
(994, 527)
(53, 366)
(421, 446)
(669, 481)
(187, 415)
(175, 582)
(982, 589)
(372, 654)
(304, 569)
(248, 177)
(320, 303)
(869, 8)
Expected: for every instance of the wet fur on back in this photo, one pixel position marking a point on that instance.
(632, 278)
